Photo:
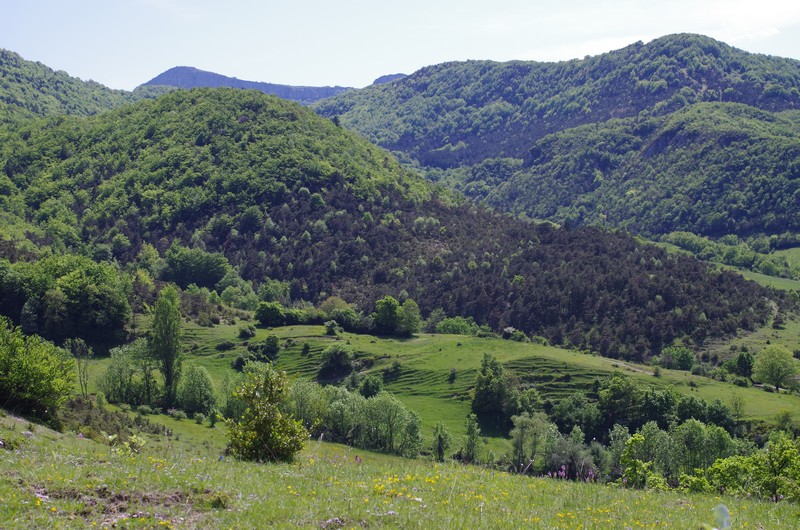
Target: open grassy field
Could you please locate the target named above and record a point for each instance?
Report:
(787, 336)
(54, 480)
(425, 385)
(792, 256)
(784, 284)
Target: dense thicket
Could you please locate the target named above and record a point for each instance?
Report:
(682, 133)
(287, 195)
(66, 296)
(30, 88)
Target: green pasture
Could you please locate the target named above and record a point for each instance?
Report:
(792, 256)
(788, 336)
(424, 381)
(784, 284)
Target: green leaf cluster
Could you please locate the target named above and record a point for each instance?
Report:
(36, 377)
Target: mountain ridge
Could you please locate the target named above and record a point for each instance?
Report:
(481, 127)
(189, 77)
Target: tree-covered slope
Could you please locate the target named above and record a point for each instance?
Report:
(708, 168)
(288, 195)
(547, 127)
(30, 88)
(456, 113)
(188, 77)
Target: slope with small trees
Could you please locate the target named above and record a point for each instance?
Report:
(208, 176)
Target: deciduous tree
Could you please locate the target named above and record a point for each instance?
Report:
(196, 390)
(408, 319)
(164, 342)
(775, 366)
(36, 377)
(441, 441)
(386, 315)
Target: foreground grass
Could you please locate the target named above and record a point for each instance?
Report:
(61, 481)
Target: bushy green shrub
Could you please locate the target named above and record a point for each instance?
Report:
(266, 351)
(264, 432)
(695, 483)
(337, 361)
(458, 326)
(271, 314)
(177, 414)
(372, 385)
(196, 390)
(241, 361)
(226, 345)
(677, 358)
(36, 377)
(332, 328)
(247, 332)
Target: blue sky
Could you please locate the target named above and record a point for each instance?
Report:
(123, 43)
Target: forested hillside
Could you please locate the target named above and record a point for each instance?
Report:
(188, 77)
(30, 89)
(682, 133)
(286, 195)
(708, 168)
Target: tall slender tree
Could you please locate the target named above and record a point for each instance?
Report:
(441, 441)
(165, 340)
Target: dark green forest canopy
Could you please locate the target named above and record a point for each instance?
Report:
(30, 88)
(286, 194)
(605, 139)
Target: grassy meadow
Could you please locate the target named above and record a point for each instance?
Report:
(425, 383)
(792, 255)
(62, 481)
(788, 336)
(54, 480)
